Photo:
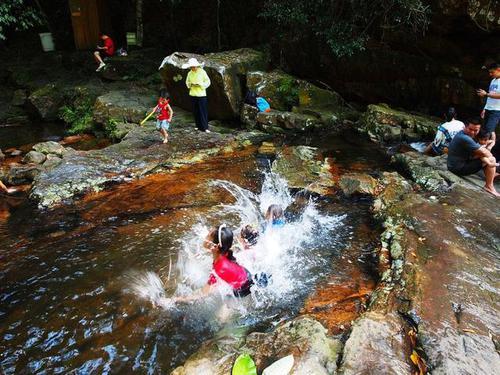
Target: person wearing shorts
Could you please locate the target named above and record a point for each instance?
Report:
(107, 50)
(464, 155)
(491, 111)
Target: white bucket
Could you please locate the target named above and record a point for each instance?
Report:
(47, 42)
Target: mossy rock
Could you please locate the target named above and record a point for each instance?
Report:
(385, 124)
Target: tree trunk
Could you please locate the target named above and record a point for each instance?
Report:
(218, 26)
(138, 22)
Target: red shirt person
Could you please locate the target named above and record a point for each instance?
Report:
(107, 50)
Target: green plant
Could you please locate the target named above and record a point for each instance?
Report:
(287, 92)
(110, 128)
(78, 114)
(18, 15)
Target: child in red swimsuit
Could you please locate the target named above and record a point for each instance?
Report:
(219, 241)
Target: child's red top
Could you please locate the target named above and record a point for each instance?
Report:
(162, 110)
(229, 271)
(110, 51)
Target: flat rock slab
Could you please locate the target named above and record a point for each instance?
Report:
(458, 289)
(139, 153)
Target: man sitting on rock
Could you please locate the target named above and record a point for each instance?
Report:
(464, 155)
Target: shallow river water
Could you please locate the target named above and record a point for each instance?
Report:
(77, 283)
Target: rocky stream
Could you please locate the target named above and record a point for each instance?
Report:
(388, 264)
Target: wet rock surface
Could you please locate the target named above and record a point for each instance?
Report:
(225, 94)
(376, 345)
(385, 124)
(357, 183)
(123, 106)
(305, 338)
(139, 153)
(304, 168)
(437, 259)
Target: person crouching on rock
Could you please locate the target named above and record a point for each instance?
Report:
(225, 268)
(197, 82)
(164, 114)
(465, 154)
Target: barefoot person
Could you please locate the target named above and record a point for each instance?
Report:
(464, 155)
(485, 139)
(164, 113)
(197, 81)
(491, 111)
(106, 50)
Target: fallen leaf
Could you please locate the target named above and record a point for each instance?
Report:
(468, 330)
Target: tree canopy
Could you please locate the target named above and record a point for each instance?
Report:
(18, 15)
(344, 25)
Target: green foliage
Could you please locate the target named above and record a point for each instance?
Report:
(18, 15)
(344, 25)
(78, 114)
(110, 128)
(287, 92)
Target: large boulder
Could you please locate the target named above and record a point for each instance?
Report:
(385, 124)
(50, 147)
(284, 91)
(303, 167)
(358, 183)
(376, 345)
(226, 71)
(46, 101)
(123, 106)
(34, 157)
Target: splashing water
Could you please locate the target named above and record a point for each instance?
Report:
(294, 256)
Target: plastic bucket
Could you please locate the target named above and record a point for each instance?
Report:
(47, 42)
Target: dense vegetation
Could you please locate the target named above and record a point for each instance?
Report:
(18, 15)
(344, 25)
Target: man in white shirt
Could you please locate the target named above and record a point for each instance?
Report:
(491, 111)
(445, 133)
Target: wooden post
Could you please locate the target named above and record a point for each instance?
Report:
(138, 21)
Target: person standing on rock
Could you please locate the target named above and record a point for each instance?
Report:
(107, 50)
(464, 156)
(197, 82)
(491, 111)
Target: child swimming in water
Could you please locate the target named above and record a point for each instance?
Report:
(248, 237)
(219, 241)
(274, 215)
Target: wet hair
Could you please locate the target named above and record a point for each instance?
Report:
(450, 114)
(164, 93)
(483, 134)
(223, 238)
(250, 234)
(274, 212)
(473, 120)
